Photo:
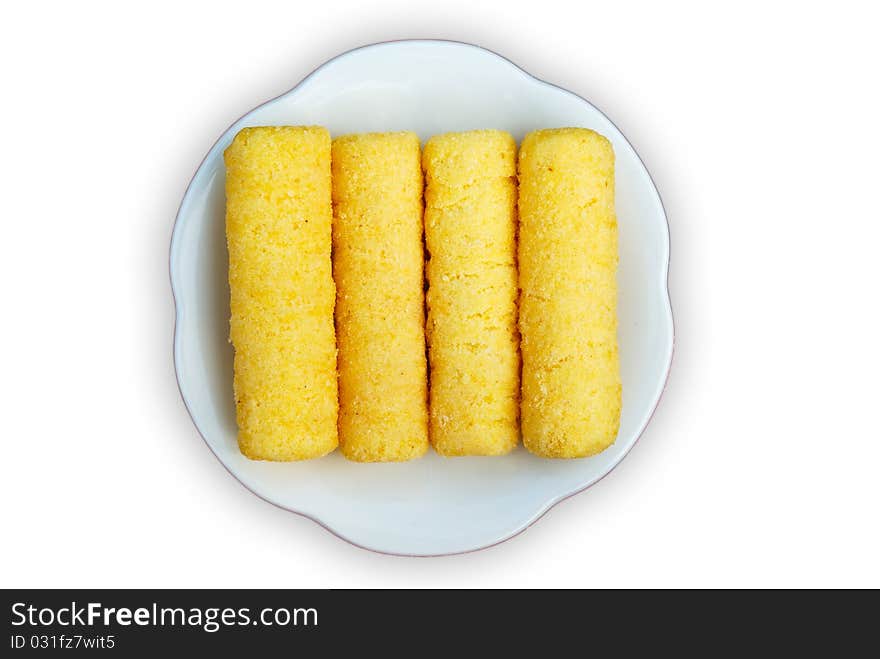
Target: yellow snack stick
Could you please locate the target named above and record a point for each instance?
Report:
(278, 224)
(571, 391)
(378, 264)
(470, 231)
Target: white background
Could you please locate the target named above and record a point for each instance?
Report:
(760, 128)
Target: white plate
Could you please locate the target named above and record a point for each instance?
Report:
(432, 505)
